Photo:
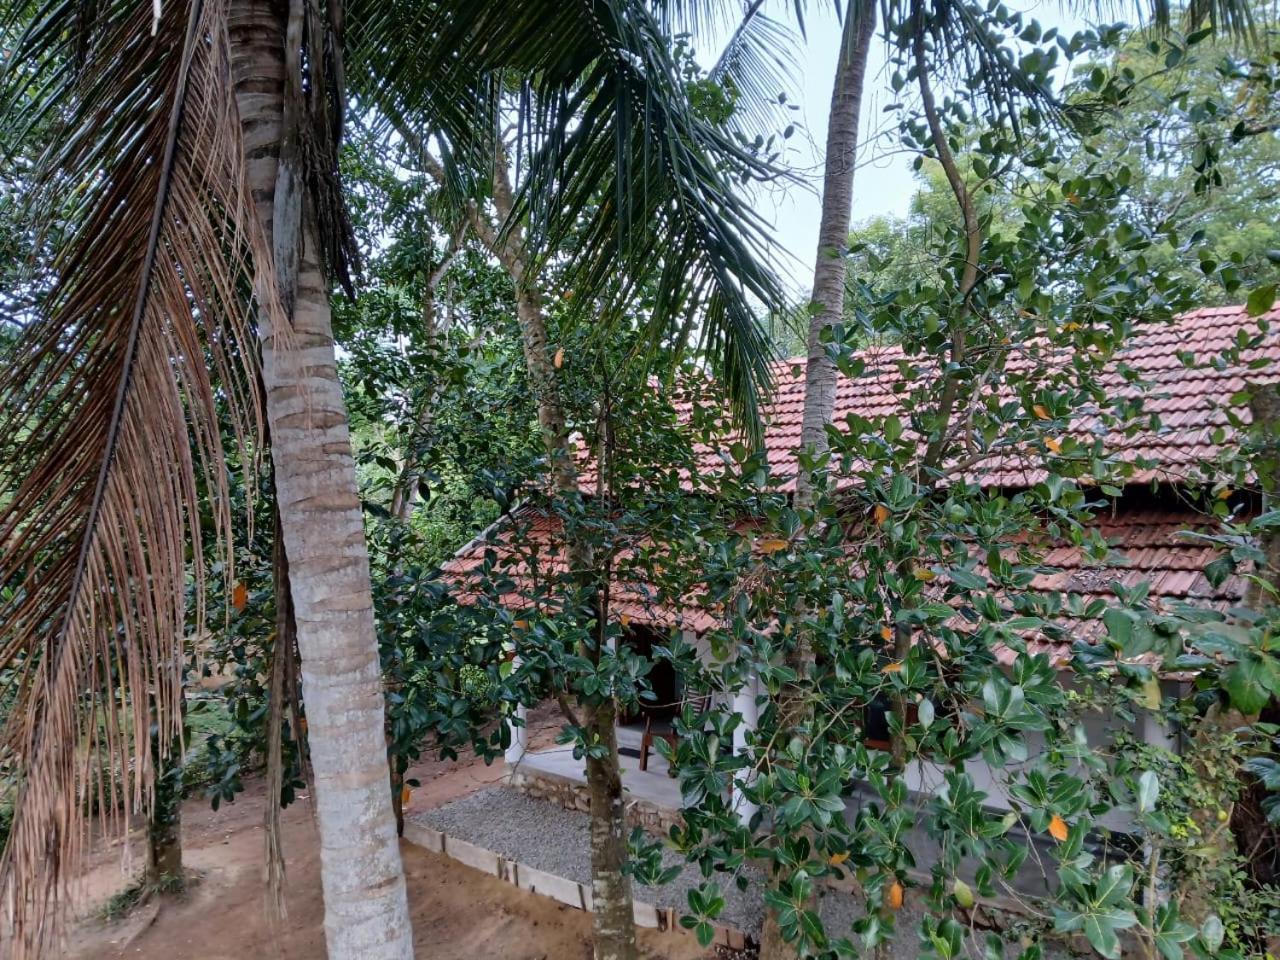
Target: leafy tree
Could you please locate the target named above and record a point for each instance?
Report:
(1195, 140)
(912, 581)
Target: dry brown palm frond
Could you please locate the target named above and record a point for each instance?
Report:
(115, 389)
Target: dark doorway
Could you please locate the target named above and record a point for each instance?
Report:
(662, 676)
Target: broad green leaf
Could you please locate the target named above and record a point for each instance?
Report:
(1243, 682)
(1261, 300)
(1212, 933)
(1148, 791)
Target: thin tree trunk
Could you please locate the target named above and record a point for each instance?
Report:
(164, 824)
(1264, 408)
(366, 910)
(936, 450)
(613, 918)
(406, 489)
(827, 304)
(164, 838)
(826, 310)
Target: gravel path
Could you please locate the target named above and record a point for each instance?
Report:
(550, 838)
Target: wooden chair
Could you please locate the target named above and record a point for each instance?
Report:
(664, 729)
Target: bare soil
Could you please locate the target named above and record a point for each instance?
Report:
(458, 913)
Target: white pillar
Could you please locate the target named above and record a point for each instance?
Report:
(744, 704)
(519, 734)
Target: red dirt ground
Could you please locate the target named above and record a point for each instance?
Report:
(458, 913)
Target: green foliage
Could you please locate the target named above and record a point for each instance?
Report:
(1194, 140)
(1067, 277)
(902, 547)
(621, 167)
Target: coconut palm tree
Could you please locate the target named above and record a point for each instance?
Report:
(192, 198)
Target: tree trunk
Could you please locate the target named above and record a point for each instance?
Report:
(1214, 816)
(164, 832)
(366, 910)
(406, 489)
(613, 918)
(826, 309)
(1264, 408)
(164, 823)
(827, 303)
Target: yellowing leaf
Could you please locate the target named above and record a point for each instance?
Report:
(1058, 829)
(886, 633)
(1149, 694)
(240, 597)
(559, 360)
(963, 894)
(1225, 493)
(1054, 445)
(1041, 411)
(405, 793)
(520, 625)
(893, 898)
(895, 667)
(771, 546)
(924, 574)
(1071, 327)
(625, 620)
(839, 858)
(881, 514)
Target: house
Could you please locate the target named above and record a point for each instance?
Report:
(1191, 378)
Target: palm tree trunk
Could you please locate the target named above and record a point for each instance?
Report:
(366, 910)
(827, 304)
(826, 310)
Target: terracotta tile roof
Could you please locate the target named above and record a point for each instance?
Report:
(525, 553)
(1149, 544)
(1190, 400)
(1148, 538)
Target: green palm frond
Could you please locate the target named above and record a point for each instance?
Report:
(114, 393)
(616, 165)
(758, 64)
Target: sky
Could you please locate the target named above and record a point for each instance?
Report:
(883, 183)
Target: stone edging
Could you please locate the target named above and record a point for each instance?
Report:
(574, 795)
(569, 892)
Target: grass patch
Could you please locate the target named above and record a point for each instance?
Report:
(139, 892)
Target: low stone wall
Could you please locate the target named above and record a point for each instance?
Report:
(574, 795)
